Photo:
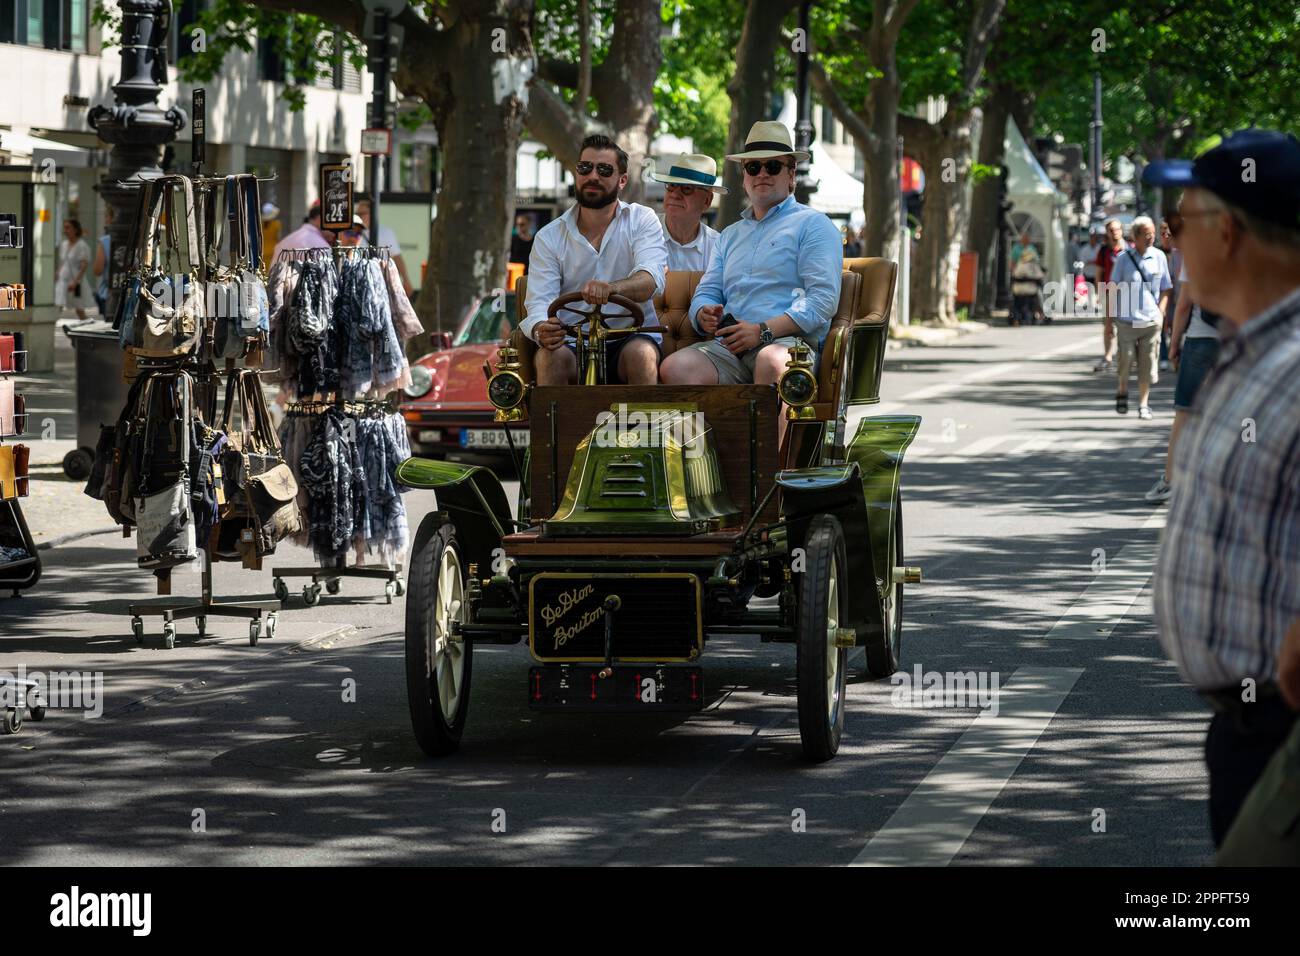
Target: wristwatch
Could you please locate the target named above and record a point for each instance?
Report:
(765, 336)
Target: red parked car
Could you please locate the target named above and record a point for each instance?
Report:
(446, 408)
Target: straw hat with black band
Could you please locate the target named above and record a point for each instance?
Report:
(692, 169)
(768, 140)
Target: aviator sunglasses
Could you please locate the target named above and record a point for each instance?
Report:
(773, 166)
(584, 168)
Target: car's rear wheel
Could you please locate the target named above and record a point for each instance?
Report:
(438, 658)
(883, 656)
(821, 665)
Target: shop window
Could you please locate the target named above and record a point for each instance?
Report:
(269, 64)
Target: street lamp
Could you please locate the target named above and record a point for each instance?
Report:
(803, 128)
(135, 125)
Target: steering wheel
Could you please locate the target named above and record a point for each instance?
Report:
(596, 314)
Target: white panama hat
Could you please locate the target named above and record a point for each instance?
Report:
(768, 141)
(693, 169)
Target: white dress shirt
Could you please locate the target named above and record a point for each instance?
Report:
(564, 261)
(694, 255)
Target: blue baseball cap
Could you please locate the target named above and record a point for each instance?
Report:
(1257, 170)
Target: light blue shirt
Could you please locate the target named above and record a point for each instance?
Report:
(1137, 300)
(789, 262)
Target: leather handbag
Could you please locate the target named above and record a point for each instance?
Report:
(8, 473)
(7, 348)
(237, 289)
(166, 307)
(7, 407)
(165, 528)
(22, 461)
(260, 492)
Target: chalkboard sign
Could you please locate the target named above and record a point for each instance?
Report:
(336, 196)
(198, 130)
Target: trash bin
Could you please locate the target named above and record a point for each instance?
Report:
(101, 392)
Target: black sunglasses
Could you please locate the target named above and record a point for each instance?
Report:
(584, 168)
(773, 166)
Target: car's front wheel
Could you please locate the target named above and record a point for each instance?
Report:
(438, 658)
(822, 664)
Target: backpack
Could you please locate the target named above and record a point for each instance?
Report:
(165, 303)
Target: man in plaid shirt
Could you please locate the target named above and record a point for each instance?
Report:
(1227, 587)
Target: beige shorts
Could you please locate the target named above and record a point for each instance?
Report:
(1137, 345)
(739, 369)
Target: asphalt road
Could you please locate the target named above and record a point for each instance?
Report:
(1021, 473)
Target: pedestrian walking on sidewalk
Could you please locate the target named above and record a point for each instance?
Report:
(1026, 282)
(1140, 277)
(1193, 350)
(1112, 246)
(72, 286)
(1227, 584)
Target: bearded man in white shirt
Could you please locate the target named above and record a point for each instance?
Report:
(600, 247)
(690, 183)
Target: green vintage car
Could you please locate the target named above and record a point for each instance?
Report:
(650, 517)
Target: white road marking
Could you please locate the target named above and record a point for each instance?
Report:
(979, 375)
(938, 817)
(1105, 601)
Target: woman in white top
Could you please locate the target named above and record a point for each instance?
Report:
(72, 286)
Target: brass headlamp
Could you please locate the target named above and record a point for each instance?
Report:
(507, 388)
(798, 385)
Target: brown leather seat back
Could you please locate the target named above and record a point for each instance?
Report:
(674, 311)
(835, 347)
(876, 296)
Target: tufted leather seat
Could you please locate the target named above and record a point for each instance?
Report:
(866, 298)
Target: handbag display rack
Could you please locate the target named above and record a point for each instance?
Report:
(207, 378)
(20, 564)
(332, 575)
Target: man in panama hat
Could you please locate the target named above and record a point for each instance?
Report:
(691, 181)
(776, 270)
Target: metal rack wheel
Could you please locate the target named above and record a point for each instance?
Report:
(137, 628)
(12, 721)
(333, 585)
(311, 594)
(281, 589)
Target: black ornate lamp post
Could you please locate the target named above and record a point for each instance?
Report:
(135, 125)
(803, 127)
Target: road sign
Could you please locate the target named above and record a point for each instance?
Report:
(377, 142)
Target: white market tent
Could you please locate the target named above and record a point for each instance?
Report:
(1038, 207)
(839, 193)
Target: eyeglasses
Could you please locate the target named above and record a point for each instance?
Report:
(584, 168)
(1177, 220)
(773, 166)
(684, 190)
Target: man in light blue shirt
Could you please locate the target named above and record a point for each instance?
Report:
(1139, 289)
(776, 270)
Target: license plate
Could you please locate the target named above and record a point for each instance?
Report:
(429, 436)
(630, 688)
(491, 438)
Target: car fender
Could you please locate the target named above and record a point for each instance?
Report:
(877, 447)
(837, 490)
(474, 501)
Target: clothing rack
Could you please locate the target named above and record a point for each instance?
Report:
(332, 576)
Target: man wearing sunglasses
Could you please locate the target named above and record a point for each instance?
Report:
(776, 270)
(600, 247)
(1227, 580)
(690, 183)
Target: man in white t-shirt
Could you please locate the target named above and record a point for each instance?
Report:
(600, 247)
(691, 181)
(1141, 283)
